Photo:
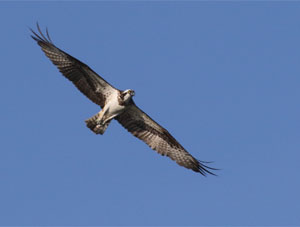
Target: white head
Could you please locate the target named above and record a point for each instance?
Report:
(127, 95)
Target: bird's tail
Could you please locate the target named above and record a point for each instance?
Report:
(94, 125)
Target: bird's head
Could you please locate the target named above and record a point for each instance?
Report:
(127, 94)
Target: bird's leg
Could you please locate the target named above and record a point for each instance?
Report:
(101, 116)
(99, 120)
(106, 119)
(98, 123)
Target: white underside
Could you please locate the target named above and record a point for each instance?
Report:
(112, 108)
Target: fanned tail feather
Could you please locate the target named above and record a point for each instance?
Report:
(94, 125)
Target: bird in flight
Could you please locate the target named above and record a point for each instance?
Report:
(117, 104)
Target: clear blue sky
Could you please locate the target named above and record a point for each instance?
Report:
(222, 77)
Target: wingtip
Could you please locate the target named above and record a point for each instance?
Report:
(205, 170)
(40, 37)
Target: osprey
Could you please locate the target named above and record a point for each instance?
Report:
(117, 104)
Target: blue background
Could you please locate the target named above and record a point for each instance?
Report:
(222, 77)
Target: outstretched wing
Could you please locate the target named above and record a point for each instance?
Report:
(159, 139)
(82, 76)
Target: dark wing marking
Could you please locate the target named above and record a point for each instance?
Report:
(82, 76)
(159, 139)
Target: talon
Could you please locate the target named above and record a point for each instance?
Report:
(100, 123)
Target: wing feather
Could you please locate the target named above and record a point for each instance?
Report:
(83, 77)
(159, 139)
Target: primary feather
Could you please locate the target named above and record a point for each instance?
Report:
(117, 105)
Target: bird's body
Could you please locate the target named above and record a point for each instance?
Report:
(118, 105)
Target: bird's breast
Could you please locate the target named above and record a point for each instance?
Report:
(113, 105)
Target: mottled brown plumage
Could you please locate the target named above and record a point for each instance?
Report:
(159, 139)
(117, 105)
(81, 75)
